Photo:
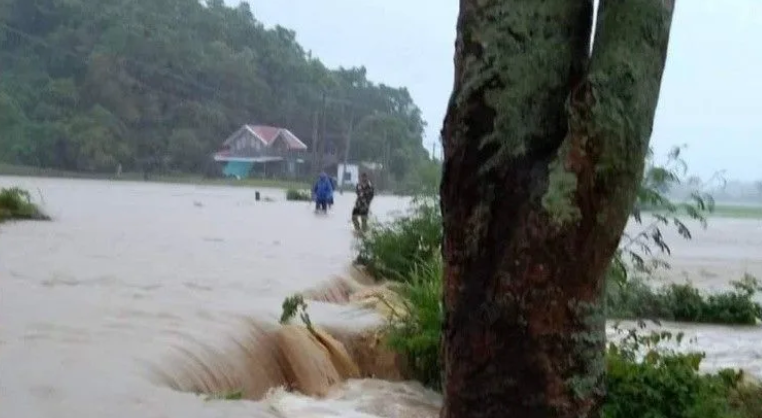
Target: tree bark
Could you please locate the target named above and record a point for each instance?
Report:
(544, 148)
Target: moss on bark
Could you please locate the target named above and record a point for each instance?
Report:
(544, 149)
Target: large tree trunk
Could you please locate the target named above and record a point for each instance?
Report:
(544, 150)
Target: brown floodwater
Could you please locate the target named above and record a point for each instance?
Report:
(129, 276)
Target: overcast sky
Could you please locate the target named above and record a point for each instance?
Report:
(710, 97)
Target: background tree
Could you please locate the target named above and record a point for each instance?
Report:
(544, 147)
(89, 84)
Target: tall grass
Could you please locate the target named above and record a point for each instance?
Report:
(416, 332)
(16, 203)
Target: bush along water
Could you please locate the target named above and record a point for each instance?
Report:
(298, 195)
(392, 250)
(16, 203)
(635, 299)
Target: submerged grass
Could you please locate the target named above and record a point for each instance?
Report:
(16, 203)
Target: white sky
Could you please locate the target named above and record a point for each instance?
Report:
(710, 91)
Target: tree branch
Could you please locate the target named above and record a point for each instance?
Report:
(611, 112)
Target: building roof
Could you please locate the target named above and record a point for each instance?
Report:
(268, 134)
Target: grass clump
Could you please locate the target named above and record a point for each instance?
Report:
(298, 195)
(416, 333)
(392, 250)
(16, 203)
(635, 299)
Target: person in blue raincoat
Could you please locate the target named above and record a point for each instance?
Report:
(323, 193)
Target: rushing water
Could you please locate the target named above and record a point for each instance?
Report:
(128, 273)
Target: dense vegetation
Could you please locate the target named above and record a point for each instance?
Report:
(644, 378)
(91, 84)
(16, 203)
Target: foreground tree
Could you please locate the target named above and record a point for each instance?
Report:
(544, 152)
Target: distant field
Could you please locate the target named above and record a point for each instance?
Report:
(738, 211)
(14, 170)
(735, 211)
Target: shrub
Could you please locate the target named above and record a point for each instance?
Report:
(298, 195)
(392, 250)
(644, 379)
(16, 203)
(634, 299)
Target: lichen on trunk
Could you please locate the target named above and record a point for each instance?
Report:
(544, 149)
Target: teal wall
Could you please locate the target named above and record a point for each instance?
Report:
(239, 169)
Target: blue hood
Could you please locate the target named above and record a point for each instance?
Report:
(324, 187)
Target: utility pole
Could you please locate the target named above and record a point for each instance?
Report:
(315, 127)
(348, 144)
(322, 136)
(434, 150)
(387, 157)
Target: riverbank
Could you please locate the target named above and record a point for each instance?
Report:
(24, 171)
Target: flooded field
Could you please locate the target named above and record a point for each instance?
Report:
(128, 273)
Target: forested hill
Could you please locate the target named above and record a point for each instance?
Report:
(89, 84)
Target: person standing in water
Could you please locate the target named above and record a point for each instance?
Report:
(323, 193)
(365, 193)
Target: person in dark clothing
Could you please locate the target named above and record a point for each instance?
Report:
(365, 193)
(323, 193)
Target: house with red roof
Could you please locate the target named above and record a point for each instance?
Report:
(267, 150)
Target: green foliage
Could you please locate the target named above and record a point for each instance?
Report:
(416, 332)
(635, 299)
(298, 195)
(392, 250)
(422, 179)
(646, 379)
(16, 203)
(637, 251)
(292, 306)
(89, 84)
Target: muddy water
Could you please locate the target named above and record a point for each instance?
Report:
(130, 272)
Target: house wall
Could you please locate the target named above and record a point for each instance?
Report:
(348, 174)
(246, 145)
